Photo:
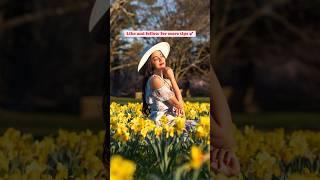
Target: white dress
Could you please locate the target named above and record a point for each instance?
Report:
(157, 100)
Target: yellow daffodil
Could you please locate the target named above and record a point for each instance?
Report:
(121, 169)
(196, 157)
(4, 162)
(62, 172)
(205, 122)
(170, 131)
(158, 131)
(200, 132)
(180, 123)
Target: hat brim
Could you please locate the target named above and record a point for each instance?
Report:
(99, 9)
(164, 47)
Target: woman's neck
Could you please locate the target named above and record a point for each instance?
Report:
(158, 72)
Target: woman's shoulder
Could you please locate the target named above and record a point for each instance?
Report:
(155, 76)
(156, 82)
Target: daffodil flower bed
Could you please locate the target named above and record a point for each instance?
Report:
(165, 152)
(170, 151)
(277, 154)
(69, 155)
(141, 150)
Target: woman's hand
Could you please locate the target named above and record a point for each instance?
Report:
(168, 72)
(225, 161)
(179, 112)
(182, 112)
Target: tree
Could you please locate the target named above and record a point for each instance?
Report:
(186, 56)
(47, 57)
(258, 36)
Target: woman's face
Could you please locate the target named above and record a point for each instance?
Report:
(158, 61)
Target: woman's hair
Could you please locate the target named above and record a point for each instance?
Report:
(147, 71)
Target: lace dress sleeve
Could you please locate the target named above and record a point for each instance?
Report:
(163, 93)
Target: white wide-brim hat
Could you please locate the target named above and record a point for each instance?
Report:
(164, 47)
(100, 8)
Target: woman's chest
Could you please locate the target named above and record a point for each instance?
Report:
(168, 83)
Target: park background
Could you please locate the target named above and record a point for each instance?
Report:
(52, 72)
(267, 59)
(266, 56)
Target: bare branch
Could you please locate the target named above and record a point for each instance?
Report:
(123, 66)
(185, 70)
(200, 70)
(295, 30)
(224, 19)
(41, 15)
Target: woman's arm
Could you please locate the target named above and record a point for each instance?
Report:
(220, 115)
(157, 83)
(169, 73)
(223, 157)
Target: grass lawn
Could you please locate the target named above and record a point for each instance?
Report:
(287, 120)
(40, 124)
(123, 100)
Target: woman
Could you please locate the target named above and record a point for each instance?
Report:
(160, 91)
